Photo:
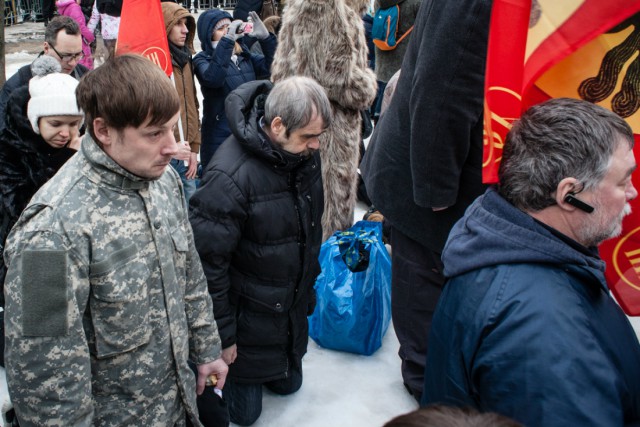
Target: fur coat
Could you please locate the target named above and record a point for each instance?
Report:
(336, 57)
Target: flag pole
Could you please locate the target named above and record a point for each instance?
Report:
(180, 128)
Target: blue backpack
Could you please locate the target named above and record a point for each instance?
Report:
(385, 28)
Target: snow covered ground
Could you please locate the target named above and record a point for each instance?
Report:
(339, 389)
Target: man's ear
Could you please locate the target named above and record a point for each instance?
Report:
(46, 48)
(104, 133)
(565, 187)
(277, 127)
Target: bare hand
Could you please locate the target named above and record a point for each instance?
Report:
(218, 368)
(229, 354)
(439, 209)
(193, 166)
(184, 151)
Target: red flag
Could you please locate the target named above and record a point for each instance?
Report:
(142, 31)
(584, 49)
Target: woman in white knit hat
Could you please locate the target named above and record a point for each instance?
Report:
(43, 121)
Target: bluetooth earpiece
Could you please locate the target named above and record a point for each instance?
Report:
(573, 201)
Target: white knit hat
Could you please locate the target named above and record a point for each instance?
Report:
(51, 95)
(221, 23)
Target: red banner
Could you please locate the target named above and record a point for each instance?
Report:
(584, 49)
(142, 31)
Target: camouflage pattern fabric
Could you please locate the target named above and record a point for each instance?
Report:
(106, 300)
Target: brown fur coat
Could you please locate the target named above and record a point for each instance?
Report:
(324, 40)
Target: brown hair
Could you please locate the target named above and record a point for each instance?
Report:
(126, 91)
(450, 416)
(273, 24)
(58, 24)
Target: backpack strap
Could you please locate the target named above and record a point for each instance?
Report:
(406, 33)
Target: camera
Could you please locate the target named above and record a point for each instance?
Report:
(245, 28)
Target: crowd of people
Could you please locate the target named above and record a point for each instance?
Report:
(159, 261)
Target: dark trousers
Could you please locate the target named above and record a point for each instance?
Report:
(245, 400)
(377, 103)
(416, 285)
(48, 9)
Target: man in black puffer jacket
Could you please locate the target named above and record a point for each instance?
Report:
(256, 222)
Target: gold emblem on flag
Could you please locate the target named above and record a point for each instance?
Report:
(158, 56)
(626, 258)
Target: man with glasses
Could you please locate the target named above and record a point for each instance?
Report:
(62, 41)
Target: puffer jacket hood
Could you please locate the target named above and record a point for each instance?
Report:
(172, 13)
(494, 232)
(206, 23)
(244, 108)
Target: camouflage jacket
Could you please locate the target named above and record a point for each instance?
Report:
(106, 300)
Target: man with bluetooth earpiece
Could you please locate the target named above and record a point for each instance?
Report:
(526, 326)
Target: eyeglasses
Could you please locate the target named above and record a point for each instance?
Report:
(68, 57)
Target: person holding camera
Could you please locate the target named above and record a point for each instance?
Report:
(223, 65)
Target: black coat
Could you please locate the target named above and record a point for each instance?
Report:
(426, 150)
(243, 7)
(256, 222)
(26, 163)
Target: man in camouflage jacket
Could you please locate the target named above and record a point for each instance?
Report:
(106, 298)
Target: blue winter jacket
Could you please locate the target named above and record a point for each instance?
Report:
(218, 75)
(526, 327)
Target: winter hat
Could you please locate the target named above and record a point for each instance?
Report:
(206, 23)
(52, 92)
(221, 23)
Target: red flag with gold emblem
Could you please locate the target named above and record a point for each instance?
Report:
(142, 31)
(584, 49)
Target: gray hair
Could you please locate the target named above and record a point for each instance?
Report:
(558, 139)
(295, 100)
(58, 24)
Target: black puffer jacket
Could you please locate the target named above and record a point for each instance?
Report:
(26, 163)
(256, 222)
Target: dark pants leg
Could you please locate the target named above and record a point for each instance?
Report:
(377, 105)
(244, 402)
(288, 385)
(416, 285)
(48, 9)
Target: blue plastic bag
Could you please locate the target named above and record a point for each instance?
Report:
(353, 291)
